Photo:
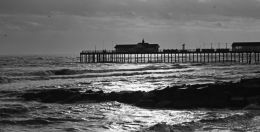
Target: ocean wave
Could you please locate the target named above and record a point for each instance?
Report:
(71, 74)
(252, 107)
(5, 80)
(35, 61)
(210, 124)
(42, 73)
(19, 75)
(163, 127)
(7, 110)
(232, 118)
(38, 121)
(213, 123)
(218, 95)
(82, 71)
(58, 72)
(25, 122)
(66, 72)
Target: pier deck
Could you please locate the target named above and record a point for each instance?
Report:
(171, 56)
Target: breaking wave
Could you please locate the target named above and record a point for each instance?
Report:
(66, 73)
(58, 72)
(228, 119)
(38, 121)
(222, 124)
(75, 71)
(8, 110)
(218, 95)
(163, 127)
(5, 80)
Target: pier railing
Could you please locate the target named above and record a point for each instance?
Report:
(171, 56)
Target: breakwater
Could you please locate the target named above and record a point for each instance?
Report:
(172, 56)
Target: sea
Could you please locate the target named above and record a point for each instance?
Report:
(19, 74)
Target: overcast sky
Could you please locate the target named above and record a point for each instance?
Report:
(69, 26)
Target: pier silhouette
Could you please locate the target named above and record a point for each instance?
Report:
(171, 56)
(143, 52)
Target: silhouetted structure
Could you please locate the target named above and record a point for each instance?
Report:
(243, 52)
(139, 47)
(246, 46)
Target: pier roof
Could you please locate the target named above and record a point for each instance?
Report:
(245, 44)
(143, 44)
(125, 45)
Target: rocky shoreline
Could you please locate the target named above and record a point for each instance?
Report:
(232, 95)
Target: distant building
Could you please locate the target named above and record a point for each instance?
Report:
(139, 47)
(246, 46)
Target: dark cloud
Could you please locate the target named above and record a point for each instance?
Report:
(68, 21)
(34, 14)
(127, 8)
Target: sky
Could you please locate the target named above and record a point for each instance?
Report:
(69, 26)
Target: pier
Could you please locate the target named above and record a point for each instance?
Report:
(171, 56)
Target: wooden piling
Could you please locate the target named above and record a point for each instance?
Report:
(173, 56)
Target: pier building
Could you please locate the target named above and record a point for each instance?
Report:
(246, 46)
(139, 47)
